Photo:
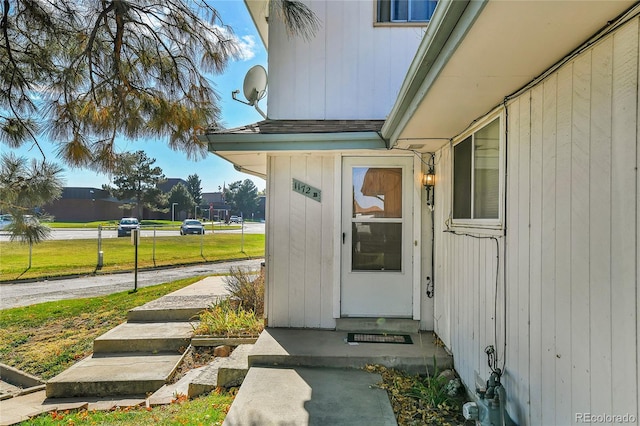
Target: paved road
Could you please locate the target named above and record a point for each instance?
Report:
(24, 294)
(87, 234)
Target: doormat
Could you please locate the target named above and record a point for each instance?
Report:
(403, 339)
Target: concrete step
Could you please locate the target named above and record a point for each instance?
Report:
(234, 369)
(114, 374)
(145, 337)
(182, 305)
(222, 372)
(168, 393)
(206, 380)
(378, 325)
(142, 314)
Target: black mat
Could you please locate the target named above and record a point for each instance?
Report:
(403, 339)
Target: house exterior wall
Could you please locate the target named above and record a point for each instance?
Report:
(570, 250)
(302, 253)
(300, 239)
(349, 70)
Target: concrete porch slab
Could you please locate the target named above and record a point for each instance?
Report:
(326, 348)
(310, 396)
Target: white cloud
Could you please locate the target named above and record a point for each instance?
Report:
(246, 47)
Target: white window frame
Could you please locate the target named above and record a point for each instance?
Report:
(482, 223)
(399, 21)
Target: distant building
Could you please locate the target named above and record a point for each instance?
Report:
(215, 201)
(79, 204)
(169, 183)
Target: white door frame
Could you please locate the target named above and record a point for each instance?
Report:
(337, 229)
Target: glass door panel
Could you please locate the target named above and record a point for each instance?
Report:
(376, 220)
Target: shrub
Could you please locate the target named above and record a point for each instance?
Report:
(246, 289)
(225, 319)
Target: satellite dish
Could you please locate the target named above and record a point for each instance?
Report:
(255, 84)
(254, 87)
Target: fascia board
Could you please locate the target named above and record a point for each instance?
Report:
(259, 18)
(445, 32)
(293, 141)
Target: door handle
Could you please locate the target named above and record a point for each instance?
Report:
(344, 235)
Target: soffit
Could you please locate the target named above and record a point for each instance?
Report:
(259, 11)
(509, 45)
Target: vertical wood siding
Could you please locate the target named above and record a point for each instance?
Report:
(300, 247)
(570, 251)
(340, 73)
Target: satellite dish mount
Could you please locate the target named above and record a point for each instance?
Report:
(254, 88)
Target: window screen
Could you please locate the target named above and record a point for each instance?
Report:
(476, 174)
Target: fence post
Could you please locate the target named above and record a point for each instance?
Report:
(100, 254)
(153, 253)
(135, 237)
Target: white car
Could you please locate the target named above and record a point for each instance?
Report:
(191, 226)
(235, 219)
(126, 225)
(5, 221)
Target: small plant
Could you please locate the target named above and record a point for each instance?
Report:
(226, 319)
(246, 289)
(434, 390)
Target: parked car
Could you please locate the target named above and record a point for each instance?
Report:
(126, 225)
(191, 226)
(5, 221)
(235, 219)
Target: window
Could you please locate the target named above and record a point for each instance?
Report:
(377, 219)
(476, 174)
(405, 10)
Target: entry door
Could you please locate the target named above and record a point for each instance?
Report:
(376, 276)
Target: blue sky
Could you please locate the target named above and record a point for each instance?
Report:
(213, 171)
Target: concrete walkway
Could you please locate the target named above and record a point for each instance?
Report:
(128, 361)
(292, 377)
(310, 396)
(28, 293)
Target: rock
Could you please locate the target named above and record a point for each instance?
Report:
(447, 374)
(222, 351)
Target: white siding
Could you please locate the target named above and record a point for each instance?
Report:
(570, 251)
(300, 246)
(349, 70)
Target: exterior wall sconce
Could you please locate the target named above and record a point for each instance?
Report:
(429, 181)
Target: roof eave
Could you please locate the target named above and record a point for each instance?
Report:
(447, 28)
(258, 9)
(293, 141)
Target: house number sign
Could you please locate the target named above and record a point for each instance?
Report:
(307, 190)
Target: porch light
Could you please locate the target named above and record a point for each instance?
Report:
(429, 179)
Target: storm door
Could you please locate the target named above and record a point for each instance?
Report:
(376, 275)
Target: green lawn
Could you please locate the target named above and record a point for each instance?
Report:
(112, 224)
(206, 410)
(46, 338)
(65, 257)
